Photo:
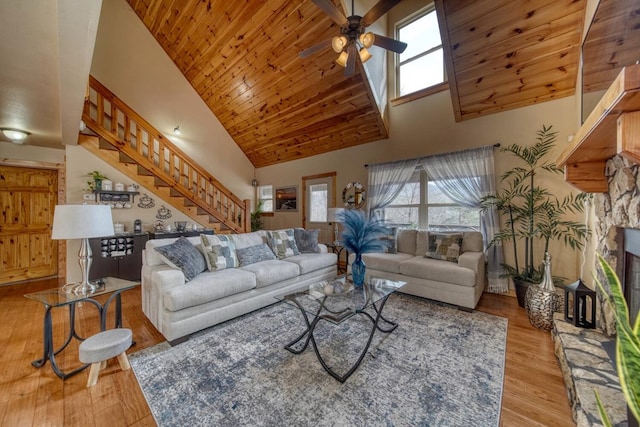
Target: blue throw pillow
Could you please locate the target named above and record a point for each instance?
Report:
(183, 255)
(306, 240)
(253, 254)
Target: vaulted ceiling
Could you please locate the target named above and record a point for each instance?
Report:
(242, 58)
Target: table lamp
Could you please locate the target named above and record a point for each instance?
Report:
(82, 222)
(334, 215)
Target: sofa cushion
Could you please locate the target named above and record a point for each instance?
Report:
(312, 262)
(244, 240)
(270, 272)
(306, 240)
(385, 262)
(282, 243)
(472, 242)
(252, 254)
(422, 242)
(183, 255)
(438, 270)
(406, 240)
(220, 252)
(209, 286)
(445, 247)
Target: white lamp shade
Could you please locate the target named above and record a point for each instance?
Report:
(82, 221)
(332, 214)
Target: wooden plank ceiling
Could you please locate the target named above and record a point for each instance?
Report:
(613, 42)
(242, 59)
(504, 54)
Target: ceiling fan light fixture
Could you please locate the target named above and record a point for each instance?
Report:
(365, 55)
(342, 59)
(338, 43)
(367, 39)
(16, 136)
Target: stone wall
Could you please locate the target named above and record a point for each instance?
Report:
(620, 207)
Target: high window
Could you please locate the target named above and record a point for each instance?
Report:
(420, 204)
(421, 65)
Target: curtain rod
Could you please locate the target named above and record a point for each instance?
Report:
(496, 145)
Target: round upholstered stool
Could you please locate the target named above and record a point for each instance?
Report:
(102, 346)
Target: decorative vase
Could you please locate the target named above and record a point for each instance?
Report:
(358, 269)
(540, 301)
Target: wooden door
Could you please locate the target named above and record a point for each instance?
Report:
(27, 198)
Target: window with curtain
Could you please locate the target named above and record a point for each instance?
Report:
(421, 204)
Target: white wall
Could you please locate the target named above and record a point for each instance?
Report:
(132, 65)
(25, 151)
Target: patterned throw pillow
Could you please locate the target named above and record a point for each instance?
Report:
(444, 246)
(253, 254)
(282, 243)
(306, 240)
(390, 240)
(183, 255)
(220, 251)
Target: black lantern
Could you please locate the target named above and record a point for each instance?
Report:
(580, 305)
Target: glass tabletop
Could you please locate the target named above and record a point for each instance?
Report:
(57, 297)
(339, 299)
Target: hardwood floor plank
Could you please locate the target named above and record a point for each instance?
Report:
(533, 395)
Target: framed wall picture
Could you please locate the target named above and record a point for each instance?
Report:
(286, 199)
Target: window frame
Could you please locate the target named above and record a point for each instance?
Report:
(262, 199)
(428, 90)
(423, 206)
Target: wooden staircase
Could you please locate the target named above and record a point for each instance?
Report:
(130, 144)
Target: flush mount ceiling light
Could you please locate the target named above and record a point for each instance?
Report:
(354, 41)
(176, 130)
(16, 136)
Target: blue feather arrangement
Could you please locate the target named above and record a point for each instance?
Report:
(362, 235)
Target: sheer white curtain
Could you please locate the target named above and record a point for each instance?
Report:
(465, 177)
(385, 180)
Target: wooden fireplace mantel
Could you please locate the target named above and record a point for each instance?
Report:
(613, 127)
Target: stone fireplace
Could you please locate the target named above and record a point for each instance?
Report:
(581, 352)
(617, 210)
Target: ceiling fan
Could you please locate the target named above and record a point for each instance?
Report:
(354, 40)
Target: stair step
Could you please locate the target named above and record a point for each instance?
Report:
(144, 171)
(159, 183)
(126, 159)
(105, 145)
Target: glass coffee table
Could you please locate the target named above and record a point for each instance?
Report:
(336, 303)
(57, 297)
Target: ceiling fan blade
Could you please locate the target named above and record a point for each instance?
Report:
(389, 44)
(350, 69)
(330, 9)
(313, 49)
(382, 7)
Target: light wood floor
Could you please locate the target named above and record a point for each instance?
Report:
(534, 392)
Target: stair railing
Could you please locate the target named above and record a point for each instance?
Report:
(119, 125)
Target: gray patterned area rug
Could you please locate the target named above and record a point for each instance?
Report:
(440, 367)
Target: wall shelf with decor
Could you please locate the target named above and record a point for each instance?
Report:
(613, 127)
(115, 196)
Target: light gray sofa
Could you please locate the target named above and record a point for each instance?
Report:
(459, 283)
(178, 308)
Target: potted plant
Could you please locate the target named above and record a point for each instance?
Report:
(96, 180)
(256, 217)
(627, 346)
(533, 212)
(361, 235)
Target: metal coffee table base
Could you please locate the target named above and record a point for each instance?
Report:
(338, 317)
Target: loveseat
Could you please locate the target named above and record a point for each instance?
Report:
(457, 277)
(179, 305)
